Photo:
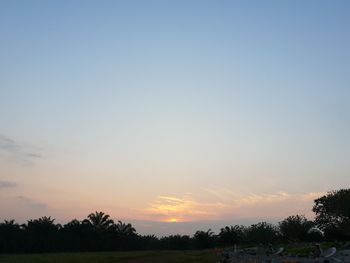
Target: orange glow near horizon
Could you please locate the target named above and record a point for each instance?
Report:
(173, 209)
(173, 220)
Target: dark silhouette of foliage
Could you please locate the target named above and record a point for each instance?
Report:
(99, 221)
(262, 232)
(315, 235)
(125, 236)
(77, 236)
(124, 230)
(149, 242)
(41, 234)
(98, 232)
(295, 228)
(10, 236)
(231, 235)
(176, 242)
(204, 239)
(333, 214)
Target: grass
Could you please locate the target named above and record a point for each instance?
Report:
(204, 256)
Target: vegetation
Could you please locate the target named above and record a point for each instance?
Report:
(231, 235)
(262, 233)
(98, 232)
(333, 214)
(296, 228)
(205, 256)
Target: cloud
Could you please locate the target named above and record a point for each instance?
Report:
(18, 152)
(174, 209)
(30, 203)
(7, 184)
(226, 204)
(7, 143)
(21, 207)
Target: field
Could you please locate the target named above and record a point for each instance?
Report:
(204, 256)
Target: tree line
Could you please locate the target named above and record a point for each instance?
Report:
(98, 232)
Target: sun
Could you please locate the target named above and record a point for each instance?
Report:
(172, 220)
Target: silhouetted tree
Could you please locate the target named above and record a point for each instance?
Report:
(99, 233)
(204, 239)
(295, 228)
(261, 233)
(231, 235)
(176, 242)
(149, 242)
(41, 234)
(333, 214)
(10, 236)
(124, 230)
(77, 236)
(99, 221)
(125, 236)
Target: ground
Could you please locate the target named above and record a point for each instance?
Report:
(204, 256)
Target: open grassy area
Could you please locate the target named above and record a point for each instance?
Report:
(114, 257)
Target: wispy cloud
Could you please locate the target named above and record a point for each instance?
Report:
(7, 184)
(239, 200)
(18, 152)
(30, 203)
(227, 204)
(174, 209)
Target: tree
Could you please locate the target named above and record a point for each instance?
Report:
(261, 233)
(176, 242)
(99, 221)
(231, 235)
(77, 236)
(295, 228)
(204, 239)
(149, 242)
(124, 230)
(333, 214)
(125, 236)
(10, 236)
(102, 236)
(41, 234)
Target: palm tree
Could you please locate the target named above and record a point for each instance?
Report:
(230, 235)
(10, 224)
(99, 220)
(45, 222)
(204, 239)
(42, 234)
(10, 236)
(124, 230)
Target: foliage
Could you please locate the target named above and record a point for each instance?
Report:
(262, 232)
(231, 235)
(99, 221)
(204, 239)
(41, 234)
(176, 242)
(333, 214)
(10, 234)
(295, 228)
(124, 230)
(98, 232)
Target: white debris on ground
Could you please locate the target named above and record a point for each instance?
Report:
(257, 255)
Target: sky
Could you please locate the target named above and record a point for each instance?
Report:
(172, 115)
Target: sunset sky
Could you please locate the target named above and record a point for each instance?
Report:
(172, 115)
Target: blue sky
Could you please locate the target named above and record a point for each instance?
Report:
(173, 105)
